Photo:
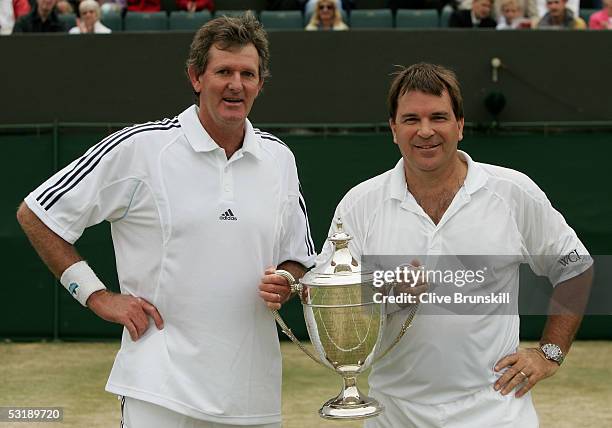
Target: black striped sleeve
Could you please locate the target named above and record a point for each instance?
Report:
(87, 163)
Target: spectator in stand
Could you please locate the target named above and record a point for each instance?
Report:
(64, 7)
(195, 5)
(42, 19)
(512, 17)
(89, 21)
(602, 20)
(326, 17)
(310, 7)
(573, 5)
(10, 10)
(559, 16)
(479, 16)
(143, 5)
(529, 8)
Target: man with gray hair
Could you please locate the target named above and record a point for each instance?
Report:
(202, 208)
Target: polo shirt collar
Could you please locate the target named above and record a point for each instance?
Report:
(398, 188)
(474, 180)
(201, 141)
(476, 176)
(251, 143)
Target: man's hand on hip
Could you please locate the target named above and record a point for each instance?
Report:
(525, 367)
(132, 312)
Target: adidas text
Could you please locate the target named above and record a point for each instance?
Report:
(228, 215)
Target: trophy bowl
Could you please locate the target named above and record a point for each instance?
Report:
(345, 325)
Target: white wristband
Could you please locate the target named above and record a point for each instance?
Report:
(81, 282)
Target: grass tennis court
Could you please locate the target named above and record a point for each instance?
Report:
(73, 375)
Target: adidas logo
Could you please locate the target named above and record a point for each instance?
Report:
(228, 215)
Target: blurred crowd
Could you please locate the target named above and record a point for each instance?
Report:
(88, 16)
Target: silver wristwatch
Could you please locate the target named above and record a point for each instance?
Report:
(552, 352)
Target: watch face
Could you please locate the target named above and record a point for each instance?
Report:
(551, 351)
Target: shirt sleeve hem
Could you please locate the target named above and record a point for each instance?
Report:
(574, 273)
(65, 234)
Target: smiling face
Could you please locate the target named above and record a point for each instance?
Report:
(228, 86)
(426, 131)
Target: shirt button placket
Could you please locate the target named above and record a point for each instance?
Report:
(434, 243)
(228, 183)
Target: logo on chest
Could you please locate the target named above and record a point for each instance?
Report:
(228, 215)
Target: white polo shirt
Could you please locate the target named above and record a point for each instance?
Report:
(497, 211)
(193, 233)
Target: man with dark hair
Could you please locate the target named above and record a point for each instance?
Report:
(560, 16)
(457, 367)
(42, 19)
(478, 16)
(201, 206)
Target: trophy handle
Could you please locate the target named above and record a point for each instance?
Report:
(407, 323)
(405, 326)
(295, 288)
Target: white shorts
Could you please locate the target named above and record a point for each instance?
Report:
(485, 408)
(142, 414)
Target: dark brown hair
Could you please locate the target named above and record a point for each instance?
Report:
(428, 78)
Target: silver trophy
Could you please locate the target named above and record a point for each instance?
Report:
(345, 325)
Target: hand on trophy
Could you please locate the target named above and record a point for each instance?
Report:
(414, 285)
(274, 289)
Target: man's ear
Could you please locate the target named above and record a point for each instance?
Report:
(194, 78)
(260, 86)
(392, 126)
(460, 124)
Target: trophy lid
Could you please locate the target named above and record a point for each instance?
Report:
(341, 269)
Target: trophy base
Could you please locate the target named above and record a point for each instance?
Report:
(350, 404)
(364, 411)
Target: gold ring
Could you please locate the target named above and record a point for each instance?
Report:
(521, 372)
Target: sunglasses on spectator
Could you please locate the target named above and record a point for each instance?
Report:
(326, 6)
(553, 1)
